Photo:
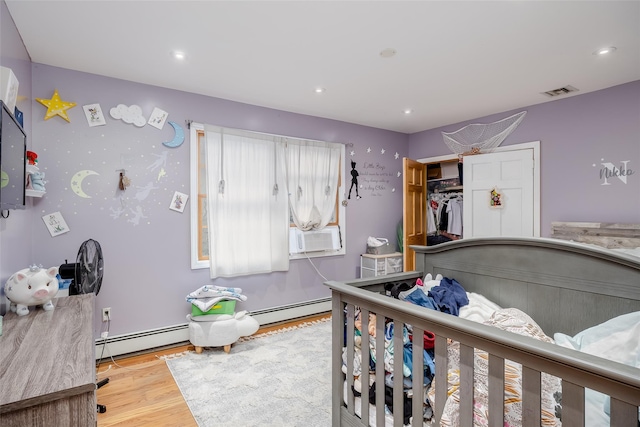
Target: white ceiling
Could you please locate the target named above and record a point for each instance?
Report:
(455, 61)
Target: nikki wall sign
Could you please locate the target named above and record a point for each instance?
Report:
(609, 171)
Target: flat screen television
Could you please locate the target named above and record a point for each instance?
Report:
(13, 154)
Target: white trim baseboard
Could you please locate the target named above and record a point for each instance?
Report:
(117, 345)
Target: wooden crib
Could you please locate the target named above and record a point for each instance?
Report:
(564, 286)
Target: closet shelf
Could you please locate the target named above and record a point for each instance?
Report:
(442, 179)
(452, 188)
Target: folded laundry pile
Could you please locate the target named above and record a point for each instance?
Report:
(209, 295)
(213, 321)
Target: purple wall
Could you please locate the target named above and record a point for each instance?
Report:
(16, 249)
(147, 267)
(146, 245)
(577, 135)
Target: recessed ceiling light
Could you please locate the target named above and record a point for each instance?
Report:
(605, 50)
(177, 54)
(408, 111)
(319, 89)
(388, 53)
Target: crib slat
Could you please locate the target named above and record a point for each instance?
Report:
(496, 391)
(466, 385)
(398, 376)
(441, 384)
(380, 370)
(337, 384)
(619, 383)
(623, 414)
(364, 378)
(572, 405)
(531, 389)
(418, 377)
(350, 332)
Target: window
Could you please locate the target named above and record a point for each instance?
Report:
(314, 243)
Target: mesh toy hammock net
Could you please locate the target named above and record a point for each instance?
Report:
(481, 138)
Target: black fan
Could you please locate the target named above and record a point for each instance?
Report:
(86, 275)
(86, 272)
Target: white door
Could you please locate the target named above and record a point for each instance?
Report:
(511, 173)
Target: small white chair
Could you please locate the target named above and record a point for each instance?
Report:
(220, 330)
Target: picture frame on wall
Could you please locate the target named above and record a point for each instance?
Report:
(158, 118)
(94, 115)
(178, 201)
(55, 224)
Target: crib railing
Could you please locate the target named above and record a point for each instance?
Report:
(577, 370)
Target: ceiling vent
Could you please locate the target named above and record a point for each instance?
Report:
(562, 91)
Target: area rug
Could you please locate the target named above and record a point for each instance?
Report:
(275, 379)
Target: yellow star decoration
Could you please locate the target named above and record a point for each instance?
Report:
(56, 106)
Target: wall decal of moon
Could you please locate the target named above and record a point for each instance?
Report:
(4, 179)
(178, 139)
(76, 182)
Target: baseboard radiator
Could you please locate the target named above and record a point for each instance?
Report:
(117, 345)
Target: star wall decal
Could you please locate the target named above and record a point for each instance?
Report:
(368, 149)
(56, 106)
(382, 151)
(353, 153)
(397, 155)
(399, 173)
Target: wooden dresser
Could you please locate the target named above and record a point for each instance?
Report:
(47, 366)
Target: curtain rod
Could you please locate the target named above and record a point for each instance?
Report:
(348, 144)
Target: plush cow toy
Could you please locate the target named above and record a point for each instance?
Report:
(32, 286)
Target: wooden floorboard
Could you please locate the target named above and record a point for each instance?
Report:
(142, 392)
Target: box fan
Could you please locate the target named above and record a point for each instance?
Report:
(86, 277)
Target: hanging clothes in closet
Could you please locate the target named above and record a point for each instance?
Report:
(444, 218)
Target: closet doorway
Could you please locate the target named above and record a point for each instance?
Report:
(513, 171)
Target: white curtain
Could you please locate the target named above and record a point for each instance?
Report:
(247, 215)
(312, 173)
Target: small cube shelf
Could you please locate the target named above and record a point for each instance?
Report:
(380, 265)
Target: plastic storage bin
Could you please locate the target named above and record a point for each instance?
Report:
(222, 307)
(380, 265)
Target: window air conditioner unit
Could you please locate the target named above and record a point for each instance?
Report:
(326, 239)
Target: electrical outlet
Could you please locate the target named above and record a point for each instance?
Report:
(106, 314)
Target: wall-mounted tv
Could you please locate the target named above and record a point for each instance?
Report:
(13, 151)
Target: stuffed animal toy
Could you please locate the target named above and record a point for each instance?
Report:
(37, 181)
(32, 286)
(32, 157)
(429, 282)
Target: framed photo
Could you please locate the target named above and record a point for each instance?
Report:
(158, 117)
(55, 224)
(178, 202)
(94, 115)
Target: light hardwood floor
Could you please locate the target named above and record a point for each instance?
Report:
(141, 390)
